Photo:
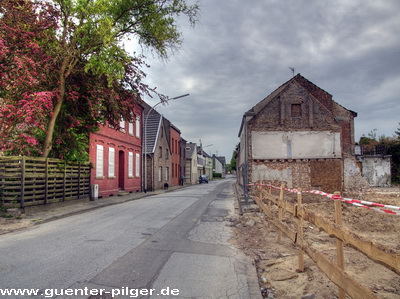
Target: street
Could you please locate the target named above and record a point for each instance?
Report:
(172, 245)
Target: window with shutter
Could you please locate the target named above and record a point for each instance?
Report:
(137, 165)
(138, 126)
(111, 162)
(99, 160)
(130, 164)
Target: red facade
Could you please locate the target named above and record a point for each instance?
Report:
(117, 157)
(175, 137)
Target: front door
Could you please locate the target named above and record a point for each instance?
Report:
(121, 170)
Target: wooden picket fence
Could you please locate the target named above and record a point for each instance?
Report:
(335, 271)
(27, 181)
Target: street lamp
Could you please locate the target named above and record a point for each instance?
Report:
(163, 101)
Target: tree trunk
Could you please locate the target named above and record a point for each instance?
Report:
(48, 143)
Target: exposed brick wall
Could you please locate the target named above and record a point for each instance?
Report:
(277, 115)
(321, 174)
(327, 175)
(322, 96)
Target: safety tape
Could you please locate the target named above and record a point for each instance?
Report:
(388, 209)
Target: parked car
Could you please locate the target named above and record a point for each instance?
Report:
(203, 179)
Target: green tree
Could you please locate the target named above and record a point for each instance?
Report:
(91, 35)
(232, 165)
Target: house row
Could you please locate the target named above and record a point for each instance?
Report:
(299, 135)
(146, 155)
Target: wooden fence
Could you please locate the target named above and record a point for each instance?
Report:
(335, 271)
(26, 181)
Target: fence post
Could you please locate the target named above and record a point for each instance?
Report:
(64, 180)
(339, 243)
(46, 186)
(269, 204)
(280, 212)
(300, 229)
(259, 187)
(79, 180)
(23, 167)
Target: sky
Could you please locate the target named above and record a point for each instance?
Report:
(241, 51)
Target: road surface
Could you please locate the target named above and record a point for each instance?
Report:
(172, 245)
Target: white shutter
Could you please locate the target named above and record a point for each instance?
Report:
(111, 162)
(137, 165)
(99, 160)
(122, 124)
(137, 126)
(130, 164)
(130, 128)
(160, 173)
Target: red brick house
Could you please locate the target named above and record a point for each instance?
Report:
(116, 155)
(174, 137)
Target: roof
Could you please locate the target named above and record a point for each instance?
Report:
(190, 149)
(221, 159)
(152, 131)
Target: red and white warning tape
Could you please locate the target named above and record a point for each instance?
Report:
(388, 209)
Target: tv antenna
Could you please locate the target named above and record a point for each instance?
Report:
(292, 69)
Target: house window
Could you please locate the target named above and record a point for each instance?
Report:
(130, 128)
(137, 165)
(160, 152)
(166, 173)
(166, 154)
(130, 164)
(137, 126)
(296, 110)
(160, 173)
(99, 160)
(111, 162)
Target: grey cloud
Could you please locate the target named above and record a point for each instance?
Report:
(241, 50)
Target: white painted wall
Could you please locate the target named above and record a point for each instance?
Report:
(262, 172)
(295, 145)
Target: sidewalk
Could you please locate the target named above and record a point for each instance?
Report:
(45, 213)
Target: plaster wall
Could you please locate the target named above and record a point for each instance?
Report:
(376, 170)
(295, 144)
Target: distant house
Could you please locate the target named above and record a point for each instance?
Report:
(219, 165)
(158, 153)
(208, 168)
(174, 139)
(182, 164)
(116, 155)
(191, 170)
(300, 135)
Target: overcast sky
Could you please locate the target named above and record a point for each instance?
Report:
(241, 51)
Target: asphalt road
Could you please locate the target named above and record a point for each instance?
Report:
(172, 245)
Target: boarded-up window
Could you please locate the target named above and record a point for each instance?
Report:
(296, 110)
